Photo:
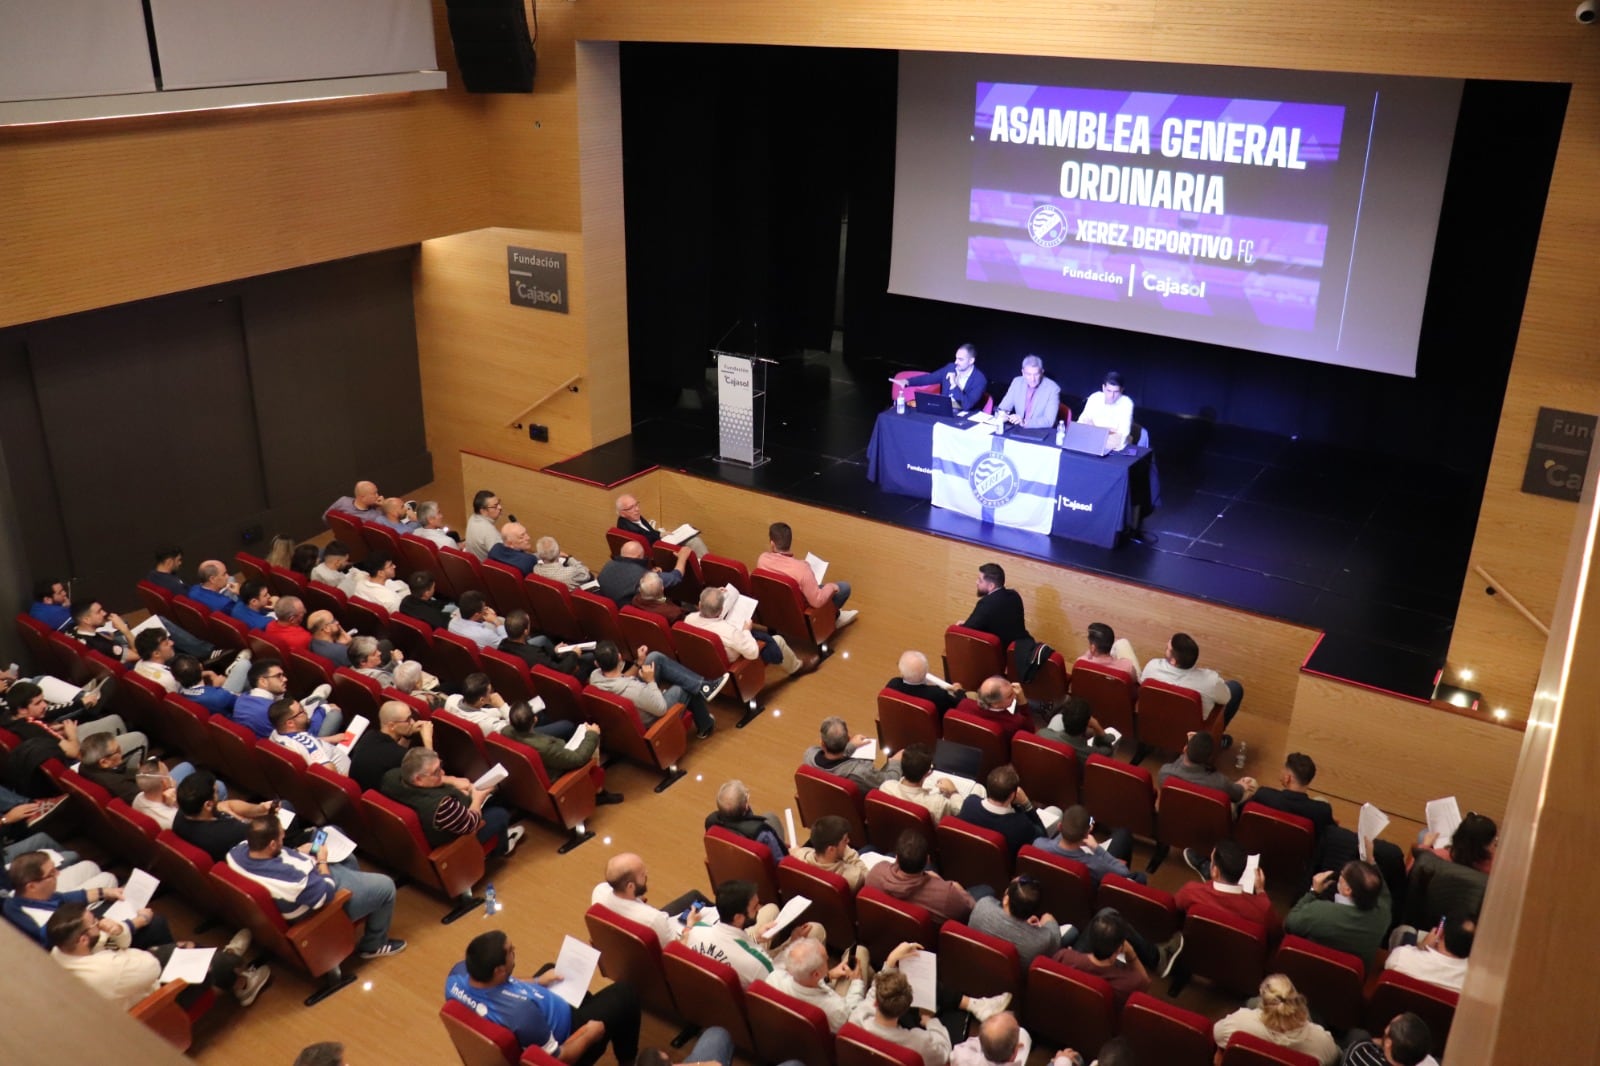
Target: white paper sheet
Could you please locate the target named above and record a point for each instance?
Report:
(935, 679)
(56, 691)
(580, 648)
(874, 858)
(1252, 863)
(1370, 823)
(681, 534)
(1113, 735)
(818, 566)
(868, 751)
(579, 735)
(356, 727)
(576, 964)
(793, 909)
(40, 915)
(737, 608)
(340, 847)
(285, 816)
(1443, 815)
(922, 970)
(492, 777)
(788, 821)
(1050, 816)
(188, 964)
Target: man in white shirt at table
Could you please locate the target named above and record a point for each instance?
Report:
(1110, 408)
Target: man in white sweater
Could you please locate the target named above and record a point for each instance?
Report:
(804, 975)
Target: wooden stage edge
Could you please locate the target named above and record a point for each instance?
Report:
(1370, 746)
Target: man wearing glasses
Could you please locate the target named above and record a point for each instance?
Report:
(483, 530)
(268, 684)
(289, 731)
(381, 750)
(1110, 408)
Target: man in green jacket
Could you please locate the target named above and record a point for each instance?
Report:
(1351, 914)
(557, 758)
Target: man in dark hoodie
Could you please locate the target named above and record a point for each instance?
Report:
(733, 813)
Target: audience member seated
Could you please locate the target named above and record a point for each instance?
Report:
(482, 533)
(81, 705)
(1291, 797)
(477, 621)
(304, 559)
(328, 638)
(1405, 1041)
(73, 872)
(883, 1014)
(1077, 843)
(833, 755)
(652, 597)
(154, 649)
(1112, 950)
(624, 890)
(215, 590)
(209, 820)
(288, 623)
(376, 583)
(362, 504)
(1108, 652)
(1438, 957)
(908, 878)
(301, 882)
(779, 558)
(630, 520)
(380, 750)
(649, 699)
(422, 605)
(254, 605)
(1223, 888)
(369, 657)
(103, 762)
(42, 741)
(50, 603)
(1349, 911)
(829, 847)
(268, 684)
(744, 641)
(165, 574)
(743, 934)
(87, 618)
(100, 953)
(524, 727)
(1019, 917)
(412, 680)
(619, 578)
(158, 792)
(1283, 1019)
(999, 610)
(1193, 765)
(539, 651)
(536, 1016)
(1006, 809)
(803, 973)
(335, 561)
(480, 704)
(733, 813)
(36, 895)
(1472, 844)
(558, 567)
(515, 548)
(215, 692)
(431, 526)
(1080, 730)
(1003, 703)
(289, 721)
(448, 807)
(1001, 1041)
(1178, 668)
(397, 516)
(914, 681)
(938, 794)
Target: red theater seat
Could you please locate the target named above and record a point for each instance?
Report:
(971, 657)
(818, 793)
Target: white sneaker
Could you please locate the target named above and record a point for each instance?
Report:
(514, 836)
(845, 618)
(255, 979)
(988, 1006)
(240, 943)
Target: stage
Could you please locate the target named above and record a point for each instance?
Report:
(1370, 551)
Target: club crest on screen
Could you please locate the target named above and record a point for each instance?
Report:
(994, 480)
(1047, 226)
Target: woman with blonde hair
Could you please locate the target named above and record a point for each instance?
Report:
(281, 552)
(1281, 1017)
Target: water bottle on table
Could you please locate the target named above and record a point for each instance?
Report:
(900, 401)
(1061, 433)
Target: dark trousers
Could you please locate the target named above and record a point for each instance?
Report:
(770, 652)
(1120, 846)
(1233, 702)
(617, 1006)
(495, 822)
(1148, 955)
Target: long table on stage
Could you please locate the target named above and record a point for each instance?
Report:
(1097, 496)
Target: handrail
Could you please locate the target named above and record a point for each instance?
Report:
(512, 422)
(1495, 588)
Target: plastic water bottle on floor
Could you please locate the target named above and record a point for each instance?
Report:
(1238, 759)
(900, 402)
(1061, 433)
(490, 904)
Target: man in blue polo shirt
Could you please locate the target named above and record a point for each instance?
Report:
(213, 590)
(50, 604)
(538, 1017)
(255, 605)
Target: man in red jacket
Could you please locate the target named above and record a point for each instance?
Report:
(1224, 891)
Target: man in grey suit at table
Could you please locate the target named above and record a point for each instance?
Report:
(1033, 401)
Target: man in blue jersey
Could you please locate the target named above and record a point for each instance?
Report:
(536, 1015)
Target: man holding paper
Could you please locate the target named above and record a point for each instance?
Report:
(742, 934)
(835, 754)
(1347, 910)
(915, 681)
(807, 572)
(740, 639)
(289, 722)
(631, 520)
(683, 685)
(450, 807)
(619, 579)
(577, 1034)
(1234, 887)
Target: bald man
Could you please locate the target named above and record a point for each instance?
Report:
(1000, 1041)
(1002, 702)
(328, 638)
(215, 588)
(631, 520)
(515, 548)
(396, 515)
(619, 579)
(362, 505)
(623, 892)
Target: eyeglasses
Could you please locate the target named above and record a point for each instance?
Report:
(273, 677)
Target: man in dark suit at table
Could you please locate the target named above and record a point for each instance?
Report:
(1033, 401)
(960, 380)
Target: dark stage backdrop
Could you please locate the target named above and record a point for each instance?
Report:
(195, 418)
(741, 161)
